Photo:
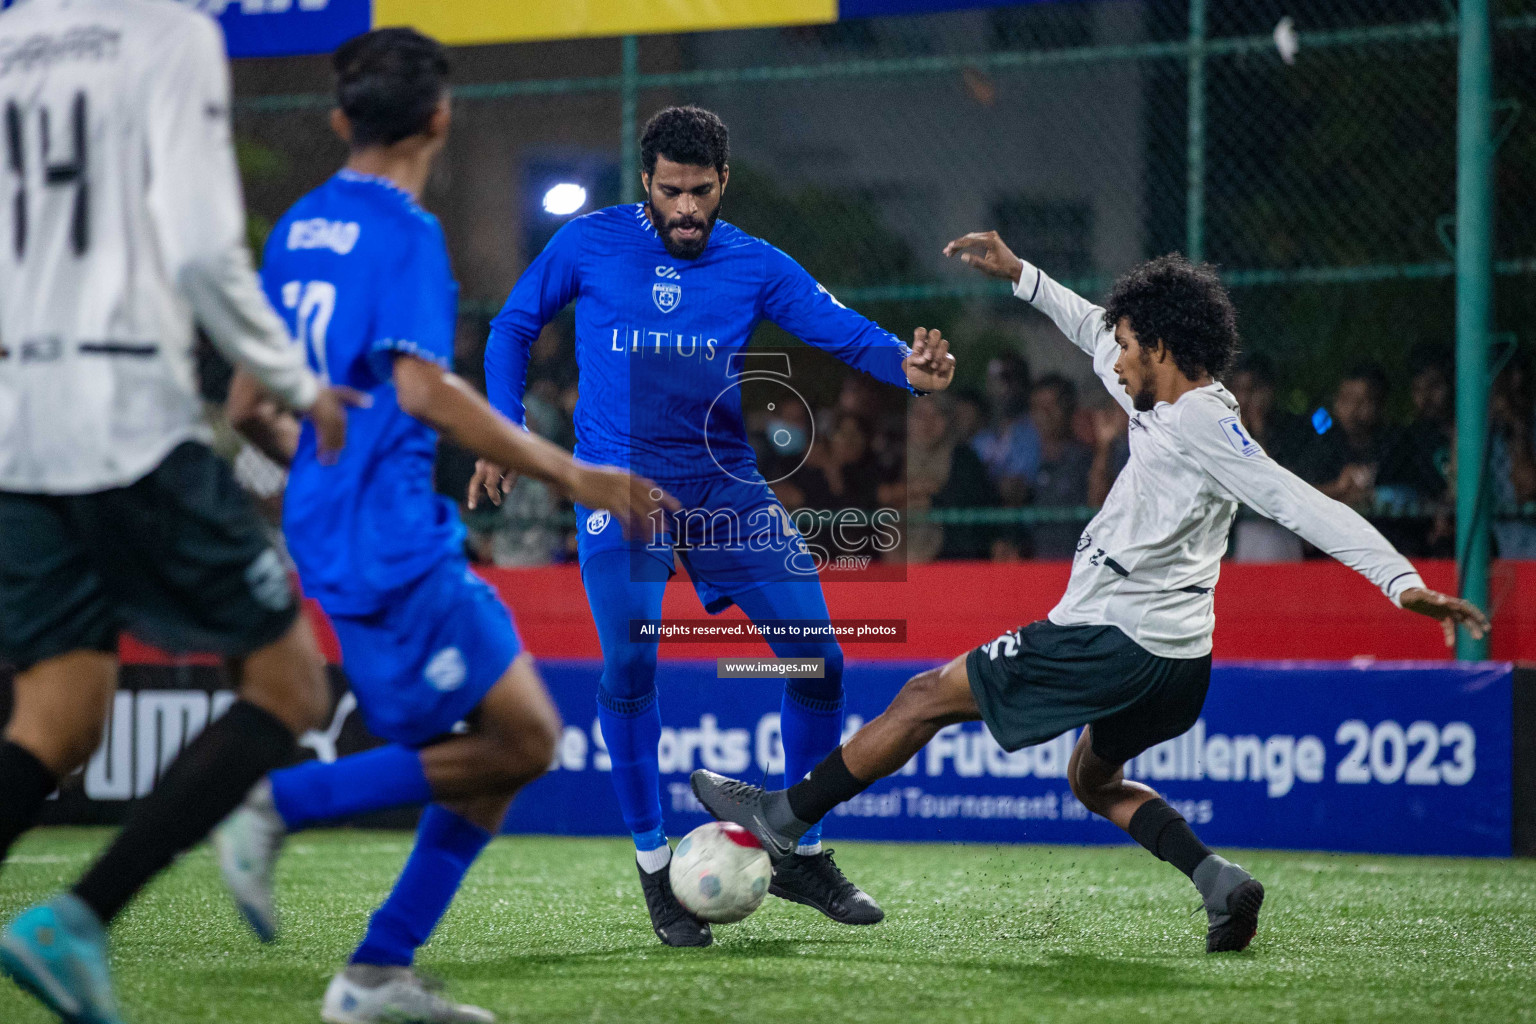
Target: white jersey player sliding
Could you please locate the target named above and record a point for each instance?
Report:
(1127, 650)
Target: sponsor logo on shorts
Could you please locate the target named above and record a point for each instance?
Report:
(598, 521)
(267, 581)
(446, 671)
(1005, 646)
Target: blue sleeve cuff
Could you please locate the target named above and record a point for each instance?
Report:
(903, 350)
(381, 355)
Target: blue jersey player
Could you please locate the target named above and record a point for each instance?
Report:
(361, 272)
(666, 298)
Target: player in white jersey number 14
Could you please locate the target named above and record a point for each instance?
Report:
(1126, 654)
(121, 221)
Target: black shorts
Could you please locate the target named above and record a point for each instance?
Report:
(1036, 683)
(179, 558)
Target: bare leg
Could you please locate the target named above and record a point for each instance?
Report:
(512, 743)
(511, 740)
(1102, 786)
(60, 707)
(927, 703)
(1232, 897)
(930, 701)
(286, 679)
(56, 722)
(282, 690)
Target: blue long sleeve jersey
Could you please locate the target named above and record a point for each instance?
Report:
(655, 337)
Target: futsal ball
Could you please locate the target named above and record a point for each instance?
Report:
(720, 872)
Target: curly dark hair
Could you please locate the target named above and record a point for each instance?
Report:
(685, 135)
(389, 83)
(1183, 305)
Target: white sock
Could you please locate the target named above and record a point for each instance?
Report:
(809, 849)
(652, 861)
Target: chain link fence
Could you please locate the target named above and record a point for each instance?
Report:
(1306, 147)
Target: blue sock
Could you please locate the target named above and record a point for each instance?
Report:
(375, 780)
(446, 845)
(809, 728)
(632, 734)
(654, 839)
(624, 585)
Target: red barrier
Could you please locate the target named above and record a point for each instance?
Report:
(1306, 610)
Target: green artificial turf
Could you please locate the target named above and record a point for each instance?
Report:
(552, 929)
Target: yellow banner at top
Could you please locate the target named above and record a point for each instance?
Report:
(463, 22)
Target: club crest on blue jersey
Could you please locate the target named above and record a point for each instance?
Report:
(667, 295)
(598, 521)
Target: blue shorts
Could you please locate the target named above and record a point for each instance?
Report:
(733, 536)
(426, 661)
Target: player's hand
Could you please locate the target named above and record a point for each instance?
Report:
(1451, 611)
(632, 500)
(490, 480)
(930, 367)
(329, 415)
(987, 253)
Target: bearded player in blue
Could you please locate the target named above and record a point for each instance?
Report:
(362, 273)
(666, 297)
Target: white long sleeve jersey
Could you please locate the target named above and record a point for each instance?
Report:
(1149, 561)
(120, 220)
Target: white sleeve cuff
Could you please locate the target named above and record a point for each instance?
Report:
(1028, 285)
(1402, 583)
(304, 392)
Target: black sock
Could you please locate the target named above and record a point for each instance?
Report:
(202, 786)
(26, 783)
(829, 784)
(1164, 831)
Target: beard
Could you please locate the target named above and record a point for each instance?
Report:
(690, 250)
(1145, 398)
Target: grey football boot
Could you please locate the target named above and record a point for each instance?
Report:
(1232, 900)
(813, 880)
(766, 815)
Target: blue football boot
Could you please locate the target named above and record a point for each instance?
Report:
(58, 952)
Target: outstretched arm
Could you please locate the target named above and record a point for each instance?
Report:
(793, 300)
(1080, 320)
(444, 400)
(1241, 469)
